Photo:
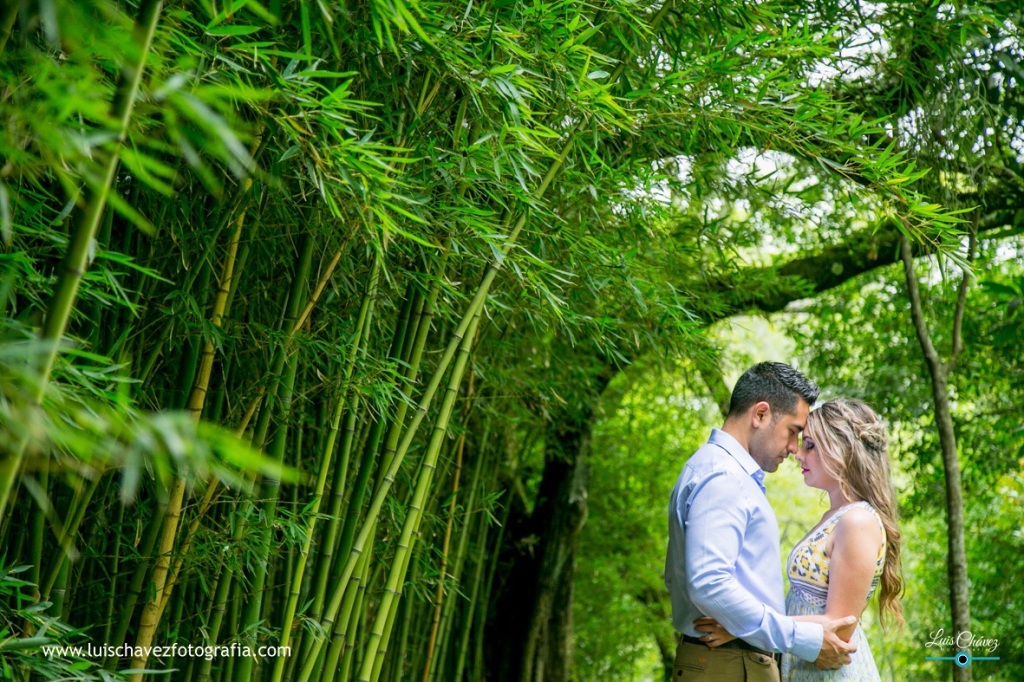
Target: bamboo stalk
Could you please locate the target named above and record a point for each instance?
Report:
(376, 658)
(412, 356)
(233, 206)
(361, 483)
(396, 662)
(343, 639)
(115, 574)
(474, 591)
(176, 611)
(473, 309)
(404, 339)
(69, 532)
(415, 358)
(377, 640)
(283, 589)
(58, 598)
(76, 259)
(435, 623)
(329, 540)
(267, 403)
(237, 594)
(7, 25)
(227, 583)
(412, 345)
(269, 496)
(219, 608)
(271, 487)
(194, 352)
(461, 550)
(412, 298)
(412, 352)
(206, 615)
(212, 489)
(401, 338)
(138, 579)
(38, 534)
(153, 609)
(299, 321)
(100, 332)
(355, 627)
(325, 463)
(343, 648)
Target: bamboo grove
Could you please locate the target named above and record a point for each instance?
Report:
(295, 292)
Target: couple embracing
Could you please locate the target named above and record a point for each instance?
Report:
(722, 567)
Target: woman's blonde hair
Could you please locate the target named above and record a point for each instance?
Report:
(852, 446)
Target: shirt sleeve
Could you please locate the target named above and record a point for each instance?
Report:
(715, 518)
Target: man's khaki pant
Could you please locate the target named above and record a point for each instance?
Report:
(697, 662)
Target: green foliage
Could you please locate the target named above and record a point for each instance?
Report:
(654, 418)
(28, 657)
(871, 352)
(942, 79)
(576, 174)
(87, 426)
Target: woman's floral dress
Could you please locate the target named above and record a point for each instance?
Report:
(808, 578)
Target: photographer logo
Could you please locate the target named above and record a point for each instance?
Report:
(964, 642)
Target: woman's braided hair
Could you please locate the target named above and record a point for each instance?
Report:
(853, 447)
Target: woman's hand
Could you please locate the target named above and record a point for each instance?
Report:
(716, 635)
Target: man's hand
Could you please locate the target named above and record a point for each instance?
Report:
(835, 651)
(715, 635)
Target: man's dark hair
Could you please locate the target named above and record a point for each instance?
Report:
(776, 383)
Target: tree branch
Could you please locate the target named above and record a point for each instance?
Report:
(916, 311)
(831, 267)
(961, 295)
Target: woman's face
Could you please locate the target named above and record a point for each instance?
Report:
(809, 458)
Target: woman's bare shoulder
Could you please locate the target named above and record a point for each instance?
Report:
(860, 522)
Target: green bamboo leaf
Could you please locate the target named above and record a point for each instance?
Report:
(6, 219)
(233, 30)
(28, 642)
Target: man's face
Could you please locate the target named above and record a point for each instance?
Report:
(776, 435)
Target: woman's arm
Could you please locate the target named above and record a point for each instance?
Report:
(853, 553)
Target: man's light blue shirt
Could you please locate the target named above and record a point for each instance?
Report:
(723, 552)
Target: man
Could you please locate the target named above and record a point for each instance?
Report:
(723, 548)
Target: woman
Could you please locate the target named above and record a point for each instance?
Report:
(834, 570)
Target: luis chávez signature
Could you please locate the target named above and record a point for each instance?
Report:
(963, 641)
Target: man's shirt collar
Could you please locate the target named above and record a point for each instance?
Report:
(739, 453)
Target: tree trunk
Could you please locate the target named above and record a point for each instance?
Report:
(530, 630)
(959, 598)
(959, 594)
